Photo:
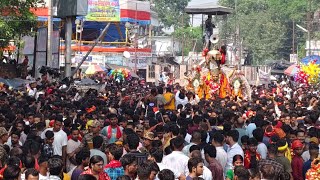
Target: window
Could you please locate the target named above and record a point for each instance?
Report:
(152, 73)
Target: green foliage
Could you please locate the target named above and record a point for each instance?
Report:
(15, 19)
(171, 12)
(267, 26)
(189, 36)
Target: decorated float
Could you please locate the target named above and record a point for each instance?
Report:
(212, 77)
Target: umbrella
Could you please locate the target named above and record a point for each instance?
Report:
(291, 70)
(94, 69)
(308, 59)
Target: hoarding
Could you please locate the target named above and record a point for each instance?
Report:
(103, 10)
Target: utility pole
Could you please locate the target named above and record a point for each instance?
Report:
(68, 34)
(236, 32)
(49, 40)
(309, 28)
(182, 50)
(293, 37)
(136, 44)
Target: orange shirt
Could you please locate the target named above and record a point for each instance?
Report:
(167, 96)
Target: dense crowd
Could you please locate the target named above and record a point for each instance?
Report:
(132, 131)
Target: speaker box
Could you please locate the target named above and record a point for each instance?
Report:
(66, 8)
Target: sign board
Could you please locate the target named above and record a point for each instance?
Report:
(293, 58)
(142, 59)
(114, 58)
(103, 10)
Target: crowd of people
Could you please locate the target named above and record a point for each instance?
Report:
(137, 131)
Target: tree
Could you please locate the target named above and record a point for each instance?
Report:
(15, 19)
(171, 12)
(190, 37)
(266, 26)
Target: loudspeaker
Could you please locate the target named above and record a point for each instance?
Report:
(67, 8)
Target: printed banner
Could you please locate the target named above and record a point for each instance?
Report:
(103, 10)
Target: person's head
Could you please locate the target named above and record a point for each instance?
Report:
(43, 162)
(166, 174)
(16, 151)
(28, 162)
(20, 126)
(97, 142)
(58, 123)
(258, 134)
(96, 164)
(83, 157)
(160, 90)
(95, 127)
(31, 174)
(12, 172)
(4, 135)
(75, 134)
(237, 160)
(132, 141)
(254, 174)
(313, 151)
(267, 171)
(87, 177)
(168, 89)
(156, 154)
(252, 144)
(129, 163)
(55, 166)
(196, 137)
(195, 166)
(178, 143)
(241, 173)
(115, 152)
(13, 161)
(15, 137)
(49, 137)
(209, 152)
(297, 147)
(31, 118)
(217, 139)
(148, 170)
(113, 119)
(244, 142)
(147, 139)
(301, 135)
(282, 146)
(272, 151)
(232, 137)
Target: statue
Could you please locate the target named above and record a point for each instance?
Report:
(240, 86)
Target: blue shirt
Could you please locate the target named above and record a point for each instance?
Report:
(306, 166)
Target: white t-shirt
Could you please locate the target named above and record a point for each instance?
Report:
(207, 175)
(178, 162)
(41, 177)
(60, 140)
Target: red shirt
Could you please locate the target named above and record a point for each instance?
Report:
(297, 165)
(102, 175)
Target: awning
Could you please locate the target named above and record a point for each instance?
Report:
(208, 9)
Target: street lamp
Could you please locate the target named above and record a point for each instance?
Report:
(307, 31)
